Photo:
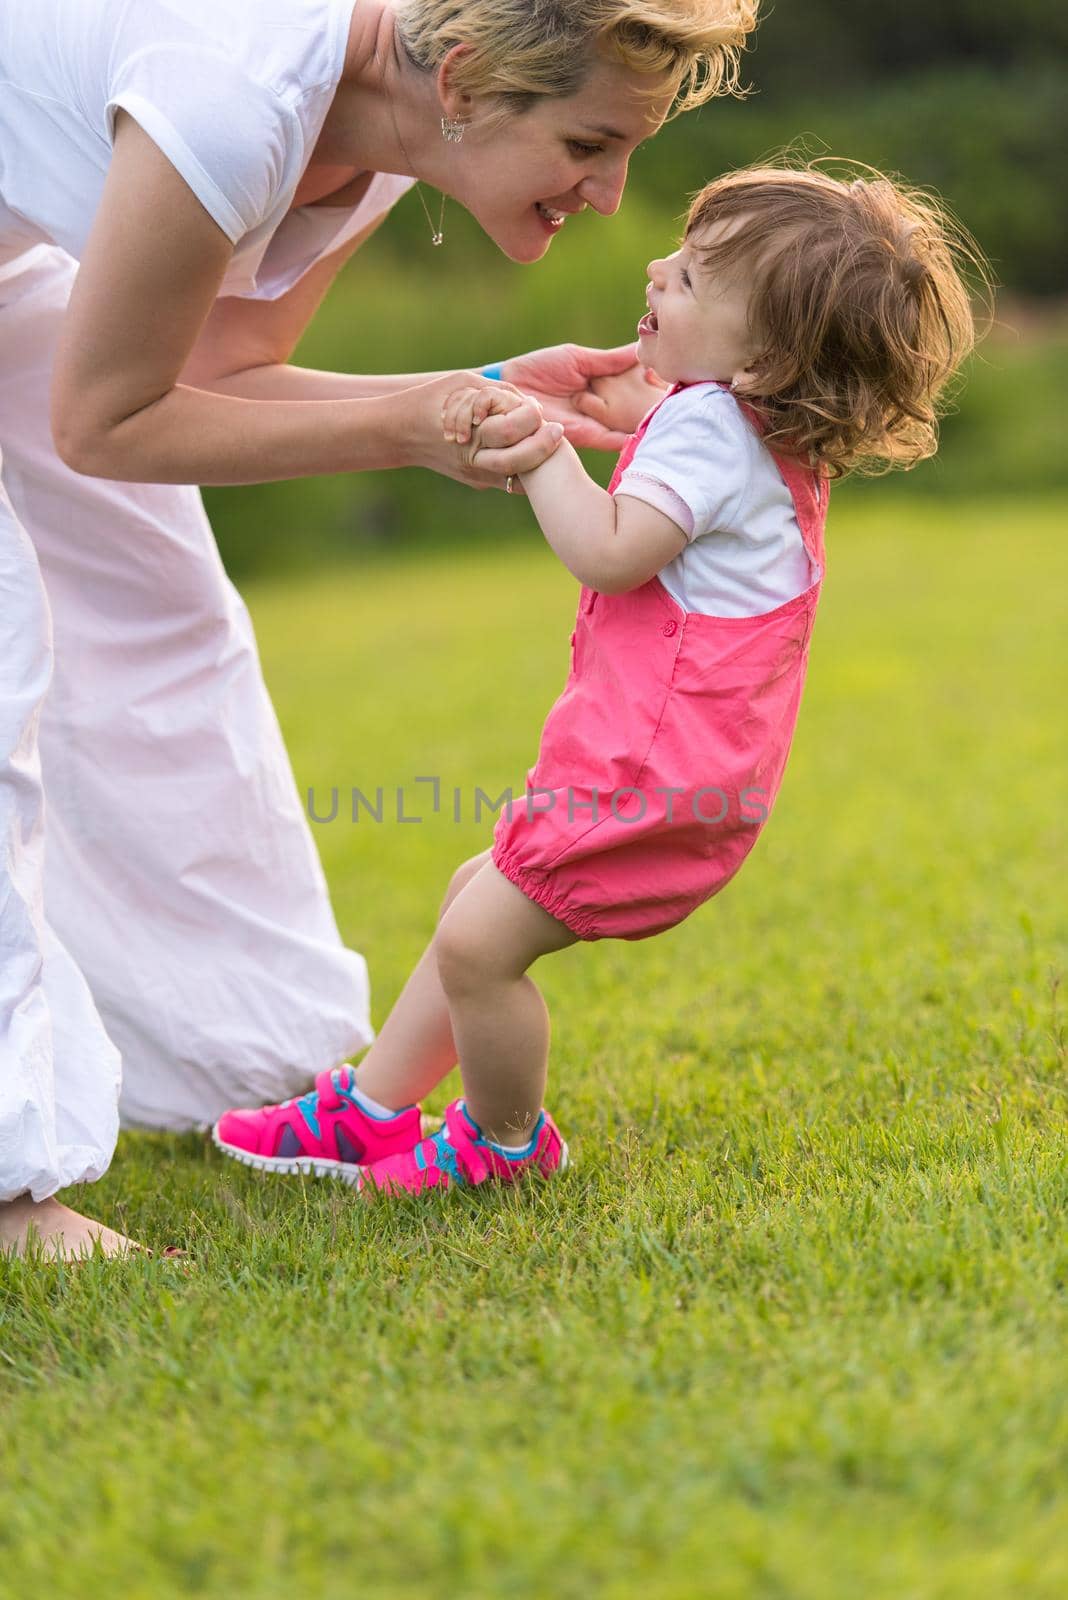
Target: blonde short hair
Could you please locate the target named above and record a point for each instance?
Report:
(526, 49)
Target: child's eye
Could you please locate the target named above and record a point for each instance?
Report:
(584, 149)
(685, 276)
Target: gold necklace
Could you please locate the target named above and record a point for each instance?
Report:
(436, 234)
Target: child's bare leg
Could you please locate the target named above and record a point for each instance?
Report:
(485, 942)
(415, 1048)
(63, 1234)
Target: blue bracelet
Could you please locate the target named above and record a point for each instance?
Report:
(494, 371)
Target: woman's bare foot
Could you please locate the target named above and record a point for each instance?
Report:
(65, 1235)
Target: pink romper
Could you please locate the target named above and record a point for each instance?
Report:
(660, 762)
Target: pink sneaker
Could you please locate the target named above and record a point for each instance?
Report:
(324, 1132)
(458, 1154)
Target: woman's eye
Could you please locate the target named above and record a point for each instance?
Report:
(685, 277)
(584, 149)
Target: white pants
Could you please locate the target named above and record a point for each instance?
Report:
(161, 900)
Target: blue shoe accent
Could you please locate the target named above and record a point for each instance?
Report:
(444, 1156)
(528, 1148)
(308, 1105)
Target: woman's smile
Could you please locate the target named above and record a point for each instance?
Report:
(553, 216)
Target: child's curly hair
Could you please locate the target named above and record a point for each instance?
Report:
(860, 301)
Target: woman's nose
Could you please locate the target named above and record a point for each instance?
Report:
(604, 190)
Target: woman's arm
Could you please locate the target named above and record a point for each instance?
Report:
(245, 346)
(148, 280)
(243, 335)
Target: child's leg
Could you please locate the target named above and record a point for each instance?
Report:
(485, 942)
(415, 1048)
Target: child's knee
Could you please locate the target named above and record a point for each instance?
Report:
(461, 877)
(464, 953)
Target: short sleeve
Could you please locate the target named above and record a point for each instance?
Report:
(694, 460)
(234, 141)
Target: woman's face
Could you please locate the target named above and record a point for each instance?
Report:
(521, 180)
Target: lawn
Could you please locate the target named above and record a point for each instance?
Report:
(794, 1325)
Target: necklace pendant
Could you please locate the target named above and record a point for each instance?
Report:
(437, 238)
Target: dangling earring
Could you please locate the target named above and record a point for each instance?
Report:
(452, 129)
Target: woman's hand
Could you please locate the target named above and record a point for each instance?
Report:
(513, 436)
(621, 400)
(600, 396)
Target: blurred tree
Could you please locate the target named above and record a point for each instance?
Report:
(965, 96)
(802, 43)
(992, 142)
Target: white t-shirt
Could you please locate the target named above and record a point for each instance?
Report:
(703, 465)
(234, 92)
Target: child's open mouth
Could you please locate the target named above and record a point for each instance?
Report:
(648, 324)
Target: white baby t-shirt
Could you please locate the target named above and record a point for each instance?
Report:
(703, 465)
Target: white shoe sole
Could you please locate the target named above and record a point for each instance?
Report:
(316, 1167)
(291, 1166)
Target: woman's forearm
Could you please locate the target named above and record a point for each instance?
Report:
(197, 436)
(282, 381)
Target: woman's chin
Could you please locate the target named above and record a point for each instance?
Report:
(522, 248)
(524, 241)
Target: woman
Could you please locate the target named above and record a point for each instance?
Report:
(179, 183)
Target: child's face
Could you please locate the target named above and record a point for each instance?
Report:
(697, 326)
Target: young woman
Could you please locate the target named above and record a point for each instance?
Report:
(179, 183)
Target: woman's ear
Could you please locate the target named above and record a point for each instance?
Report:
(456, 104)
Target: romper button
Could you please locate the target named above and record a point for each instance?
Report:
(669, 628)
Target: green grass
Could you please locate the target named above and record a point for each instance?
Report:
(794, 1326)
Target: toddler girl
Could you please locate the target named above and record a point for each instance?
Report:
(806, 326)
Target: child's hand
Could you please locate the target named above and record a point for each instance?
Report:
(466, 411)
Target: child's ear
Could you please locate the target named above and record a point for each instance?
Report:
(743, 381)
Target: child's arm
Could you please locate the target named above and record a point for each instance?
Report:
(609, 543)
